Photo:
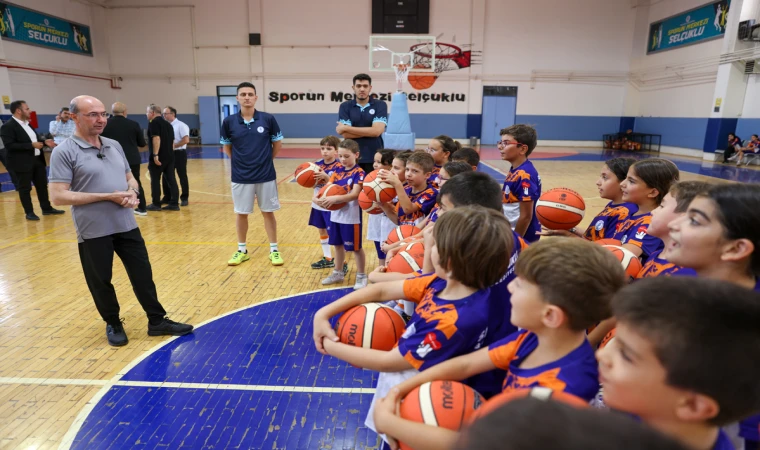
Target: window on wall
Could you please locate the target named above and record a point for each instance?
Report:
(500, 91)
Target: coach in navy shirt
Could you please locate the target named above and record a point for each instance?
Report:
(252, 140)
(364, 120)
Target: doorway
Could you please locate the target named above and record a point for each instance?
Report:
(499, 110)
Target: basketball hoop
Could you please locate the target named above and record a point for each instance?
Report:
(402, 75)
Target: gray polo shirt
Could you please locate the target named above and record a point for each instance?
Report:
(76, 162)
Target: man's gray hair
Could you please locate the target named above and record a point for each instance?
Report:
(155, 108)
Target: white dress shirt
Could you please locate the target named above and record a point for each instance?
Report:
(30, 132)
(180, 131)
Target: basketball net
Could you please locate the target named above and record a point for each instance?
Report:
(402, 75)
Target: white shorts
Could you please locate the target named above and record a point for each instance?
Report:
(266, 193)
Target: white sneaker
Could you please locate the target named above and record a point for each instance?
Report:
(335, 277)
(361, 281)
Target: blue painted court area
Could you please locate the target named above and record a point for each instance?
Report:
(251, 379)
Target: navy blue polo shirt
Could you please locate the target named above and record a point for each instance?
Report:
(251, 146)
(355, 115)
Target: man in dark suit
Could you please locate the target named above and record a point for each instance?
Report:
(161, 143)
(4, 160)
(127, 132)
(26, 159)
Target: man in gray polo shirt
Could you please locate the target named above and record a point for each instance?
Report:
(91, 173)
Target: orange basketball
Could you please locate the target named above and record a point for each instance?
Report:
(631, 264)
(370, 325)
(406, 261)
(614, 242)
(330, 190)
(305, 175)
(402, 232)
(368, 205)
(378, 190)
(560, 209)
(541, 393)
(446, 404)
(414, 247)
(421, 80)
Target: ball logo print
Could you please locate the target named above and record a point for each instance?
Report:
(599, 225)
(372, 111)
(260, 129)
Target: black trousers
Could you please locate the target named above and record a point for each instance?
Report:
(38, 176)
(136, 173)
(180, 166)
(96, 256)
(729, 152)
(167, 170)
(11, 173)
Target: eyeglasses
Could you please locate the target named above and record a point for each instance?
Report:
(95, 115)
(430, 150)
(502, 144)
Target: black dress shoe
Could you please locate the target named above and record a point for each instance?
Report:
(32, 216)
(116, 335)
(183, 203)
(170, 208)
(52, 211)
(169, 328)
(164, 201)
(152, 207)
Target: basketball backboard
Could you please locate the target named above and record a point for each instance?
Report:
(419, 52)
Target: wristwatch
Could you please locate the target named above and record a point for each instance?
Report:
(136, 191)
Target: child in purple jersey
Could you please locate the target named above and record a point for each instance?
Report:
(417, 198)
(551, 349)
(468, 155)
(673, 206)
(647, 183)
(685, 357)
(718, 238)
(320, 217)
(379, 225)
(603, 225)
(451, 317)
(522, 187)
(440, 148)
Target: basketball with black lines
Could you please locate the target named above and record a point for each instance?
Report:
(540, 393)
(631, 264)
(446, 404)
(330, 190)
(370, 325)
(368, 205)
(305, 175)
(560, 209)
(378, 190)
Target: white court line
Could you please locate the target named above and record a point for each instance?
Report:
(175, 385)
(68, 438)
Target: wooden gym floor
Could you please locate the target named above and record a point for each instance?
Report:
(56, 365)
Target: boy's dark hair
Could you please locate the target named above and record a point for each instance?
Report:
(349, 144)
(620, 166)
(454, 168)
(361, 77)
(658, 174)
(467, 154)
(705, 334)
(246, 84)
(403, 156)
(422, 159)
(685, 191)
(533, 424)
(738, 209)
(524, 134)
(330, 141)
(386, 156)
(754, 136)
(16, 105)
(576, 275)
(65, 108)
(473, 188)
(472, 242)
(449, 145)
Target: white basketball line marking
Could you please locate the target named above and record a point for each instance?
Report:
(426, 405)
(369, 322)
(409, 260)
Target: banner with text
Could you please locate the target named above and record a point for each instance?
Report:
(31, 27)
(691, 27)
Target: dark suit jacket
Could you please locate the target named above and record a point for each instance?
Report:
(19, 147)
(126, 132)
